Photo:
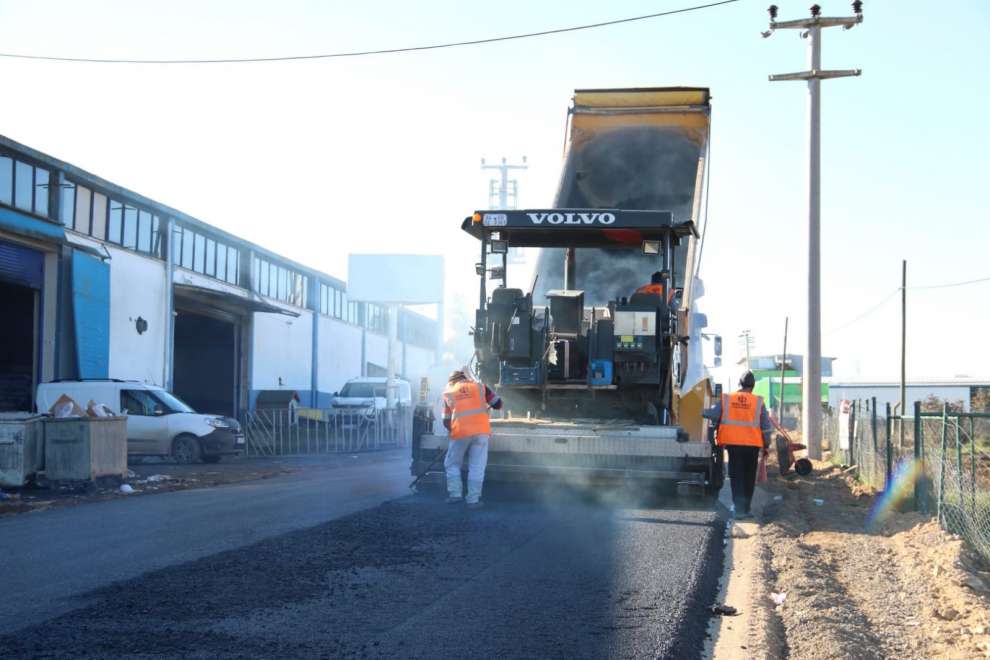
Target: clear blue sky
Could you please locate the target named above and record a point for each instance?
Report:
(318, 159)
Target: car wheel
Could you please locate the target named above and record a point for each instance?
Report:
(185, 449)
(213, 458)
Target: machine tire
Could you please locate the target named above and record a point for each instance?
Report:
(186, 449)
(803, 467)
(212, 458)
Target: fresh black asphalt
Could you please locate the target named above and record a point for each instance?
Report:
(534, 575)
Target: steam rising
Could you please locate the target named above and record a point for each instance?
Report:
(637, 167)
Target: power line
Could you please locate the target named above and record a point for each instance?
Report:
(360, 53)
(898, 290)
(951, 285)
(866, 313)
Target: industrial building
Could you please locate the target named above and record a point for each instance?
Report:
(960, 393)
(97, 281)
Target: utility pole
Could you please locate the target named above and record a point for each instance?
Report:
(811, 29)
(903, 347)
(503, 193)
(747, 340)
(783, 363)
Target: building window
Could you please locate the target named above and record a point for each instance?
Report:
(375, 318)
(280, 283)
(83, 209)
(116, 223)
(144, 232)
(95, 214)
(202, 254)
(418, 330)
(186, 257)
(130, 227)
(6, 179)
(98, 228)
(23, 185)
(333, 303)
(41, 185)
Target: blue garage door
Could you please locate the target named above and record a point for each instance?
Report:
(21, 265)
(91, 312)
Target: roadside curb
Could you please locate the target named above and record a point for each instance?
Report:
(742, 586)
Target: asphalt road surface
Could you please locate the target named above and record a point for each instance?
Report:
(325, 569)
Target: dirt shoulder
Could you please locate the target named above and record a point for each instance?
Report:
(825, 579)
(150, 476)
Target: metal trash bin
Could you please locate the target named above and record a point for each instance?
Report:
(84, 448)
(22, 448)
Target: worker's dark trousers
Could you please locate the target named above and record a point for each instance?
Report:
(743, 463)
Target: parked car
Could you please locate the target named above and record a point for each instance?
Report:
(158, 422)
(369, 396)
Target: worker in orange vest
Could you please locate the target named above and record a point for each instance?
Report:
(744, 430)
(656, 285)
(465, 415)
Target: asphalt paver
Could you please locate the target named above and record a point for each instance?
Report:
(525, 577)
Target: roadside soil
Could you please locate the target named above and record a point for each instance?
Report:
(901, 587)
(147, 476)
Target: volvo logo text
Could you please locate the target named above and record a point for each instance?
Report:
(572, 218)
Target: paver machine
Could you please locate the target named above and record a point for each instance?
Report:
(600, 382)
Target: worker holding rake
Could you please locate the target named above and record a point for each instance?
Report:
(465, 415)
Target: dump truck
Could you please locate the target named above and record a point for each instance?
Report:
(600, 383)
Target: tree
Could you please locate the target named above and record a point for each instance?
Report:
(933, 403)
(979, 400)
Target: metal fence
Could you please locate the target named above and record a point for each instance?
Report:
(323, 431)
(939, 460)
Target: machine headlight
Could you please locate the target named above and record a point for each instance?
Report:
(217, 422)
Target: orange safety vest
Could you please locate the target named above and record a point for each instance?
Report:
(740, 424)
(655, 289)
(469, 409)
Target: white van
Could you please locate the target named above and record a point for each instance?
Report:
(369, 395)
(158, 423)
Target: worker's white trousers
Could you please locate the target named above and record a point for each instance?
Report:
(476, 448)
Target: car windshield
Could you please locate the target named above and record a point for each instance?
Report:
(363, 390)
(171, 403)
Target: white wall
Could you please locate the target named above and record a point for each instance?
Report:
(377, 351)
(283, 348)
(891, 393)
(339, 354)
(137, 289)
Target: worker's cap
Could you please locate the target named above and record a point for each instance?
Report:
(747, 380)
(455, 376)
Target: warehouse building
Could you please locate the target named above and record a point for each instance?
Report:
(97, 281)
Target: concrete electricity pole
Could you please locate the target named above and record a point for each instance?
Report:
(503, 193)
(811, 29)
(746, 338)
(502, 189)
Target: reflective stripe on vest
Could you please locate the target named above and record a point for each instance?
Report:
(740, 423)
(469, 411)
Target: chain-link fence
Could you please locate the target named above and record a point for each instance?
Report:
(958, 466)
(301, 431)
(941, 461)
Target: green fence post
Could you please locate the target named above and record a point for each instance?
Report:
(941, 466)
(919, 456)
(876, 446)
(959, 470)
(972, 463)
(889, 450)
